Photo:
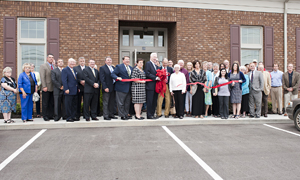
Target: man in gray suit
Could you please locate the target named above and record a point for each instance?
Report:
(256, 87)
(58, 92)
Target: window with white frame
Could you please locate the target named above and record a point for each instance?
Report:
(251, 44)
(32, 39)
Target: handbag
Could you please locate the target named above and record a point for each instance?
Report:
(35, 97)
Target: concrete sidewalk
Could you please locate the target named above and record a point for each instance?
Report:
(39, 123)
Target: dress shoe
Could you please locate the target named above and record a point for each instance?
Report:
(64, 118)
(55, 120)
(95, 119)
(251, 116)
(159, 116)
(46, 119)
(151, 117)
(129, 117)
(87, 119)
(180, 117)
(108, 119)
(76, 119)
(29, 119)
(70, 120)
(166, 116)
(265, 115)
(285, 114)
(280, 114)
(222, 117)
(124, 118)
(113, 117)
(176, 117)
(257, 116)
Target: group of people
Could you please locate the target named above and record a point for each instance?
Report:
(200, 89)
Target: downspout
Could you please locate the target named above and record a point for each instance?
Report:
(285, 35)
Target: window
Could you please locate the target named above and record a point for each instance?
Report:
(31, 42)
(125, 37)
(141, 38)
(251, 44)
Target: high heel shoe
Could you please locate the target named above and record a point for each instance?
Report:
(141, 118)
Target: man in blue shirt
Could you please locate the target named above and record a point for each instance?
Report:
(276, 90)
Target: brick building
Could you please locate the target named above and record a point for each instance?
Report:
(236, 30)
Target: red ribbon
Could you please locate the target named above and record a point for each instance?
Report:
(137, 79)
(217, 86)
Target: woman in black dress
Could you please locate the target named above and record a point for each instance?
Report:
(197, 75)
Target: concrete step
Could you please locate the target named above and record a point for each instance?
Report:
(39, 123)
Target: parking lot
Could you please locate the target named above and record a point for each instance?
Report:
(159, 152)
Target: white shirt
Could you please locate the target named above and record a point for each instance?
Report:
(177, 82)
(82, 67)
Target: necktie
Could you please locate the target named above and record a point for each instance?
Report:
(73, 73)
(128, 72)
(93, 72)
(252, 77)
(51, 67)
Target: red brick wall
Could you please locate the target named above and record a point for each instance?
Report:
(91, 30)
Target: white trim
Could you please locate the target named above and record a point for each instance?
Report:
(272, 6)
(29, 41)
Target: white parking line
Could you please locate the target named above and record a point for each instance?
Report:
(209, 170)
(16, 153)
(281, 130)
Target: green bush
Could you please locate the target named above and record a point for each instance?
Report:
(270, 106)
(18, 109)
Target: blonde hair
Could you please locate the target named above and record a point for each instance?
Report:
(7, 69)
(24, 65)
(189, 63)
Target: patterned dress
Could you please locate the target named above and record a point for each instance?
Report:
(138, 89)
(8, 98)
(236, 91)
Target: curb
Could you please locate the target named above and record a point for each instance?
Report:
(40, 124)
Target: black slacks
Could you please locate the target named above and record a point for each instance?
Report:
(151, 101)
(179, 102)
(47, 105)
(90, 105)
(108, 101)
(80, 96)
(224, 106)
(215, 105)
(59, 107)
(70, 105)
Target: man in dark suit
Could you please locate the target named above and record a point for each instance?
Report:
(58, 93)
(167, 94)
(123, 93)
(150, 70)
(91, 91)
(80, 78)
(108, 91)
(70, 85)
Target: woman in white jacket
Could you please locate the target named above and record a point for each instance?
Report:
(177, 88)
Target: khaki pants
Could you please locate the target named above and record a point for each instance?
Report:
(288, 97)
(160, 100)
(276, 96)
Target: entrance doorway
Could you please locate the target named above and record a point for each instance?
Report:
(140, 42)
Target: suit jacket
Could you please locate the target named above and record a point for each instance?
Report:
(170, 71)
(57, 82)
(90, 79)
(80, 76)
(120, 71)
(24, 82)
(150, 72)
(69, 81)
(106, 79)
(45, 73)
(295, 82)
(258, 81)
(267, 82)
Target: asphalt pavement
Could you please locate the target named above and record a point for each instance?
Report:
(232, 151)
